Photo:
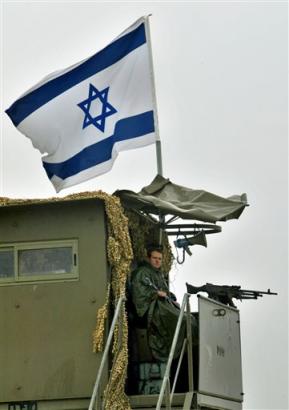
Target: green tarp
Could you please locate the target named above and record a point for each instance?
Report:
(166, 198)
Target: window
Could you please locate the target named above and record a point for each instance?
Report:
(38, 261)
(6, 263)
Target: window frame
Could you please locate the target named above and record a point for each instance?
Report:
(40, 278)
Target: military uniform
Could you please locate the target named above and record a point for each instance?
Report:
(159, 315)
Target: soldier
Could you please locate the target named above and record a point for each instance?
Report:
(155, 306)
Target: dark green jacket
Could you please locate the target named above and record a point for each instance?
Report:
(160, 314)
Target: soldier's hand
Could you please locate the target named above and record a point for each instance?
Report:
(162, 294)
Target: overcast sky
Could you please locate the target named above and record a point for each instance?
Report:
(221, 85)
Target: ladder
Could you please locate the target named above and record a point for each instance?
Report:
(187, 344)
(166, 391)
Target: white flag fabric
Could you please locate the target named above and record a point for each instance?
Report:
(81, 117)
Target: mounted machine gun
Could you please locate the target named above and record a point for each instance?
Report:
(225, 293)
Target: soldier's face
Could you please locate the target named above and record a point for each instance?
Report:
(156, 259)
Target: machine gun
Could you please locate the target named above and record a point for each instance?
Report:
(225, 293)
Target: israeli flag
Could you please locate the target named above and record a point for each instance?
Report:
(80, 118)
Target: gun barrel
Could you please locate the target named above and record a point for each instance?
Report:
(242, 297)
(257, 292)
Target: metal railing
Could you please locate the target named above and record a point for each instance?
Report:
(165, 388)
(95, 393)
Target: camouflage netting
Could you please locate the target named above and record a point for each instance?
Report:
(120, 256)
(143, 233)
(124, 229)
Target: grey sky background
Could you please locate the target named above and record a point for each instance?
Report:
(221, 85)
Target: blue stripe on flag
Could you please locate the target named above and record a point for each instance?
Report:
(98, 62)
(95, 154)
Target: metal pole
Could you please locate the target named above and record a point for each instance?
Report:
(168, 397)
(156, 121)
(172, 351)
(178, 368)
(190, 347)
(159, 157)
(105, 353)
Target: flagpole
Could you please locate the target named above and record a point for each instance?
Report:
(156, 121)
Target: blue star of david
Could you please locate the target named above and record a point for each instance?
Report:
(107, 109)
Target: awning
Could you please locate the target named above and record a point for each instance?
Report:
(163, 197)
